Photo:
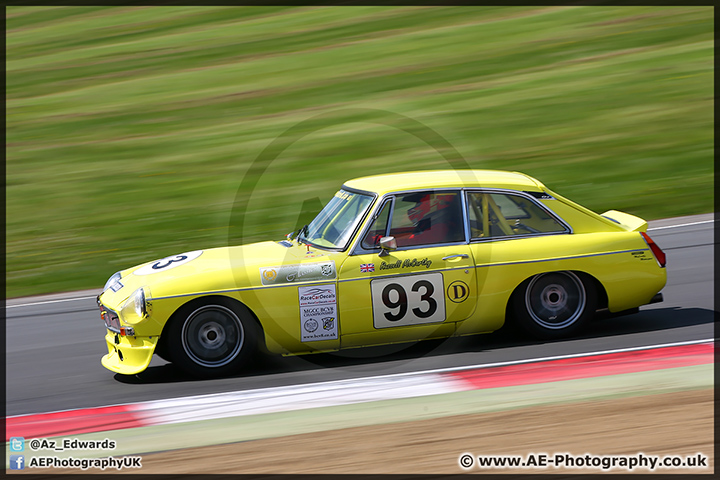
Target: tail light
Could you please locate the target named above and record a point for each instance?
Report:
(659, 254)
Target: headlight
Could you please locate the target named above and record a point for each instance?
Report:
(137, 307)
(112, 281)
(140, 309)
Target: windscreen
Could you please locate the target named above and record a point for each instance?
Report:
(335, 224)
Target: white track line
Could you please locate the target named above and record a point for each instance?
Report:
(92, 298)
(49, 301)
(682, 225)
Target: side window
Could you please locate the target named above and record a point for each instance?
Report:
(377, 228)
(427, 218)
(501, 215)
(510, 206)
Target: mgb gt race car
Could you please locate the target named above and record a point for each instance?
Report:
(391, 258)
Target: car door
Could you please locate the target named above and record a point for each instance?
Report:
(417, 291)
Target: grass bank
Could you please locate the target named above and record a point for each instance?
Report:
(131, 129)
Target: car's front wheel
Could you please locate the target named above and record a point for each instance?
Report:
(212, 338)
(554, 305)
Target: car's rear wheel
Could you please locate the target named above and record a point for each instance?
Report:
(554, 305)
(212, 338)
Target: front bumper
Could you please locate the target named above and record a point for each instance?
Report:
(656, 299)
(128, 355)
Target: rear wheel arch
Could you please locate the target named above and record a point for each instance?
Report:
(575, 294)
(601, 299)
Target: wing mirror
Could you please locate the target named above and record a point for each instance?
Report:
(386, 245)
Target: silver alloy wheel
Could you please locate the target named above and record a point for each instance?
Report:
(555, 300)
(212, 336)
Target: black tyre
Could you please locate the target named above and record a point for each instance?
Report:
(212, 338)
(161, 350)
(554, 305)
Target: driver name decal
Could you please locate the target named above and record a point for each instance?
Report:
(318, 313)
(425, 262)
(301, 272)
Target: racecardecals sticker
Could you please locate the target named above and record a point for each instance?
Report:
(367, 267)
(318, 313)
(408, 300)
(301, 272)
(168, 263)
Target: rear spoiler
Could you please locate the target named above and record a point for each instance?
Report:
(627, 221)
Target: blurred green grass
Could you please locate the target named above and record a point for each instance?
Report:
(130, 129)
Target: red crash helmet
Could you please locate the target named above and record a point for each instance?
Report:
(428, 204)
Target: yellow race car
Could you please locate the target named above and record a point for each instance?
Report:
(391, 258)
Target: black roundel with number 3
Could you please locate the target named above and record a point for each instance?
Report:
(408, 300)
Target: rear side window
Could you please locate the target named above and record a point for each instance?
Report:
(504, 214)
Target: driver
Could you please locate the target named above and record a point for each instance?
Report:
(432, 219)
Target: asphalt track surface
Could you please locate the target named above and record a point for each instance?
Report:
(54, 343)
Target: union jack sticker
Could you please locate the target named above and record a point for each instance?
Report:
(367, 267)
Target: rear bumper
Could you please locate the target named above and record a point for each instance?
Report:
(604, 313)
(128, 355)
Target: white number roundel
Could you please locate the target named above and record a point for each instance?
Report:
(168, 263)
(408, 300)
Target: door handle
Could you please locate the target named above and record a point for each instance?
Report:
(457, 255)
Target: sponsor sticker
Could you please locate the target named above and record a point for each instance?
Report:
(641, 255)
(318, 313)
(269, 275)
(300, 272)
(328, 323)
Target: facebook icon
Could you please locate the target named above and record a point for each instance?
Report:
(17, 462)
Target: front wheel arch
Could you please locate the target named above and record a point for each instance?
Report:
(237, 317)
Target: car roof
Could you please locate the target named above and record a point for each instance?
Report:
(436, 179)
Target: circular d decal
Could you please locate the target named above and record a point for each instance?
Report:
(458, 291)
(168, 263)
